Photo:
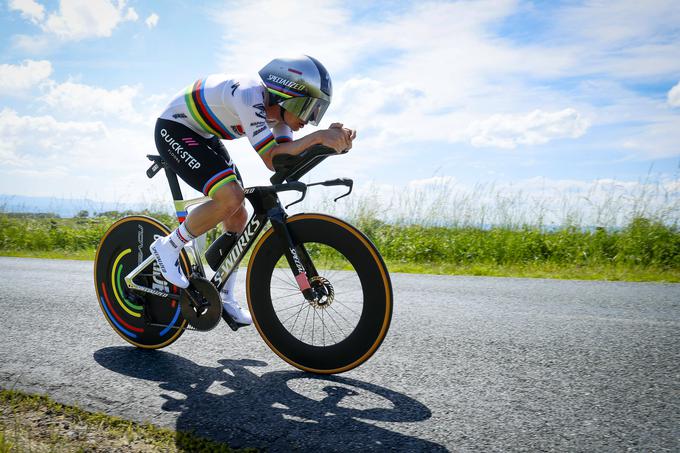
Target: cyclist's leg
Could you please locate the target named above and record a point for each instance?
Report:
(199, 162)
(228, 202)
(234, 223)
(226, 205)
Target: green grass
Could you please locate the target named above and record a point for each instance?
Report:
(641, 243)
(544, 270)
(22, 233)
(644, 250)
(36, 422)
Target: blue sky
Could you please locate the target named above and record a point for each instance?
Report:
(512, 93)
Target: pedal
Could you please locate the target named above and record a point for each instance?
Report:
(230, 322)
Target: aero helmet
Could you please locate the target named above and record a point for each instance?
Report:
(300, 85)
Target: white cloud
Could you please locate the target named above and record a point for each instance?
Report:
(152, 20)
(29, 73)
(94, 158)
(659, 139)
(14, 125)
(391, 114)
(535, 128)
(30, 9)
(674, 96)
(131, 15)
(69, 97)
(77, 19)
(33, 44)
(417, 74)
(420, 75)
(626, 39)
(393, 98)
(623, 22)
(28, 138)
(316, 37)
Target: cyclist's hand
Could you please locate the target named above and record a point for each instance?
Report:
(351, 135)
(336, 138)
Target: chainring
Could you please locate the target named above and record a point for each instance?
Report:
(203, 291)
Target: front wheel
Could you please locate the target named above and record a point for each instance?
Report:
(339, 331)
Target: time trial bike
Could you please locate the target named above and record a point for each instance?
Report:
(317, 288)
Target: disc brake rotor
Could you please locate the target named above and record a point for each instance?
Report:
(325, 294)
(201, 304)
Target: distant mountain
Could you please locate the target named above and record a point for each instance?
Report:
(63, 207)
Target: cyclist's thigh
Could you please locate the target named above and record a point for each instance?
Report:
(217, 145)
(195, 159)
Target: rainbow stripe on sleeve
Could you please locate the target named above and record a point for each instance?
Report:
(265, 145)
(201, 112)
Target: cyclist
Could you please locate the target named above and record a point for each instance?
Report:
(289, 93)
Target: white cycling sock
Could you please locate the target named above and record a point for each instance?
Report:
(180, 237)
(228, 288)
(167, 249)
(239, 314)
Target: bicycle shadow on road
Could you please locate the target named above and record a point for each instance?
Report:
(277, 410)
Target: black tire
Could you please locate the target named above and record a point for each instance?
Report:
(358, 333)
(124, 245)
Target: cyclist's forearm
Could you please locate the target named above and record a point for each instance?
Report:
(293, 148)
(297, 146)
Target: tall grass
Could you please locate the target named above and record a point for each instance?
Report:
(604, 224)
(642, 243)
(607, 204)
(45, 232)
(442, 224)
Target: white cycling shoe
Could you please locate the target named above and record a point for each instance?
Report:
(240, 315)
(167, 257)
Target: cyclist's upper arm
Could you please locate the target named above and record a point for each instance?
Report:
(249, 106)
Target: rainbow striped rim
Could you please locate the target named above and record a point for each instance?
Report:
(132, 309)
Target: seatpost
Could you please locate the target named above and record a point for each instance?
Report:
(174, 184)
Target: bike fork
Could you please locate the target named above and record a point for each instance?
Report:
(301, 266)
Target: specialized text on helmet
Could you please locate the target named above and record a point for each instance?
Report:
(286, 83)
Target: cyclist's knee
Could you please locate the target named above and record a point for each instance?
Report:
(229, 199)
(237, 221)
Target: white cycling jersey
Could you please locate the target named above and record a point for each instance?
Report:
(228, 107)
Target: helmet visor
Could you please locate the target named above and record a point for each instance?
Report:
(310, 110)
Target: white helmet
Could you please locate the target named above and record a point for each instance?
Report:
(300, 85)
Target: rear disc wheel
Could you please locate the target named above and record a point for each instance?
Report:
(124, 246)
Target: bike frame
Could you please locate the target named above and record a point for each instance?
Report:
(267, 209)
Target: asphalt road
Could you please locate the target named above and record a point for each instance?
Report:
(469, 364)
